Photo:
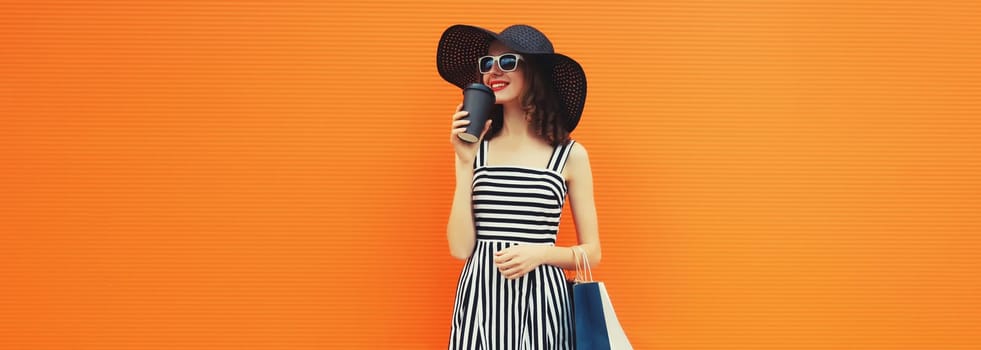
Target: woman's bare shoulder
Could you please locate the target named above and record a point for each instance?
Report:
(578, 163)
(578, 153)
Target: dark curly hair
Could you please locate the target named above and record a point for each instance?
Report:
(538, 100)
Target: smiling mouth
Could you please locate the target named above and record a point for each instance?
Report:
(498, 86)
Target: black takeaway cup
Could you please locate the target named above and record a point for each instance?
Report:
(478, 99)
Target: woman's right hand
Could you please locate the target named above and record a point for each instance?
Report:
(465, 151)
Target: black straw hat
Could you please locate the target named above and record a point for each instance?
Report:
(461, 46)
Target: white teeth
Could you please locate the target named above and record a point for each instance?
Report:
(498, 85)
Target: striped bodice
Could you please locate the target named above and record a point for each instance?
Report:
(519, 204)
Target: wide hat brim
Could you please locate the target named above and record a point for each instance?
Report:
(462, 45)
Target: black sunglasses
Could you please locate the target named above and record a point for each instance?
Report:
(507, 62)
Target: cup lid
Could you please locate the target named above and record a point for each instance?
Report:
(479, 86)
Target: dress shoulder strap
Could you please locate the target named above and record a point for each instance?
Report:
(481, 158)
(559, 156)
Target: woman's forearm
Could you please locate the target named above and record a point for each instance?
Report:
(563, 256)
(460, 231)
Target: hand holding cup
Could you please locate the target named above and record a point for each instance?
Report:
(465, 151)
(478, 100)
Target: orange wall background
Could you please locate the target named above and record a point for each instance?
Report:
(277, 175)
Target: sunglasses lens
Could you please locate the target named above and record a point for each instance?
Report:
(508, 62)
(486, 64)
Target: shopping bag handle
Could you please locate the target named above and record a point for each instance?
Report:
(582, 265)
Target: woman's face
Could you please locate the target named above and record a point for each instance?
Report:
(507, 86)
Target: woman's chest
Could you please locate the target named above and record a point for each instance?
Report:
(530, 157)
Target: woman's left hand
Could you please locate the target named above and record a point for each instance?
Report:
(516, 261)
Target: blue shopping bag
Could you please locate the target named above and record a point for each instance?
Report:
(596, 323)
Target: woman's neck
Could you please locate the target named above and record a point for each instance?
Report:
(515, 122)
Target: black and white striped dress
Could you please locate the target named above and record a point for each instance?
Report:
(514, 205)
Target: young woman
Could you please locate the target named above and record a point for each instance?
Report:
(511, 188)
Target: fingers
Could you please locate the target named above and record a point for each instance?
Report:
(499, 261)
(458, 127)
(459, 113)
(514, 273)
(502, 256)
(459, 123)
(510, 265)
